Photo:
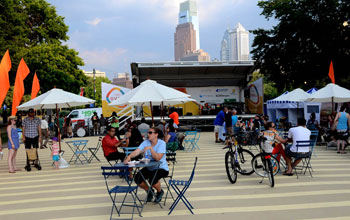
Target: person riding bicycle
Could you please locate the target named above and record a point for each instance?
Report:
(271, 139)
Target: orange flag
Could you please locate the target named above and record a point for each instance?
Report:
(331, 73)
(35, 86)
(5, 67)
(18, 91)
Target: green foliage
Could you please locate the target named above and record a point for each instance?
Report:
(297, 51)
(31, 29)
(89, 89)
(270, 90)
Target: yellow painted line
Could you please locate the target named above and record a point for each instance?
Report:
(194, 189)
(197, 199)
(164, 212)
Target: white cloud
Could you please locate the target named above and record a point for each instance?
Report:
(94, 22)
(100, 58)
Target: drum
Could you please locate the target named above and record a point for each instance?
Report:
(81, 132)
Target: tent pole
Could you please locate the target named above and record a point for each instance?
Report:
(150, 104)
(332, 105)
(58, 128)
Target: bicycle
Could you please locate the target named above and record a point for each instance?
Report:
(264, 164)
(237, 159)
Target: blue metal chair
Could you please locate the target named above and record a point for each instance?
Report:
(313, 137)
(197, 138)
(181, 193)
(94, 150)
(126, 189)
(171, 159)
(306, 158)
(190, 140)
(129, 150)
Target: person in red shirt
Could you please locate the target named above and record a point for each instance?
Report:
(110, 146)
(174, 115)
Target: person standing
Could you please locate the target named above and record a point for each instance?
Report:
(175, 116)
(235, 128)
(44, 133)
(55, 152)
(95, 121)
(13, 144)
(343, 123)
(68, 125)
(103, 123)
(218, 123)
(31, 130)
(228, 121)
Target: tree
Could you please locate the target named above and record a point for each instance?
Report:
(89, 89)
(297, 51)
(31, 29)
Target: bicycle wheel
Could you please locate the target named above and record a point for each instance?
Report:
(244, 162)
(230, 167)
(269, 168)
(258, 166)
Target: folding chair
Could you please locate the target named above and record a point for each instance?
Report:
(197, 138)
(129, 150)
(94, 150)
(171, 159)
(181, 193)
(313, 137)
(125, 189)
(306, 158)
(190, 139)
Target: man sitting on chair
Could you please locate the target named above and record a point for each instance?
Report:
(299, 133)
(110, 146)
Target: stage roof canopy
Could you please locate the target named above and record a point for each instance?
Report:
(194, 74)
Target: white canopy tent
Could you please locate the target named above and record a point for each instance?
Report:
(330, 93)
(152, 93)
(290, 104)
(56, 99)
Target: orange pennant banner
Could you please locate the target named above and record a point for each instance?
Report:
(35, 86)
(18, 91)
(331, 73)
(5, 67)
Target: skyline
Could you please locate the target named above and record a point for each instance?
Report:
(110, 34)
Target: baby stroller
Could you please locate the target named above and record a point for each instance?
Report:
(32, 156)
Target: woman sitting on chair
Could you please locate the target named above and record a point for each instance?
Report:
(155, 149)
(270, 145)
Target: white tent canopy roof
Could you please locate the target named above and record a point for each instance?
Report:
(297, 95)
(151, 91)
(55, 98)
(329, 93)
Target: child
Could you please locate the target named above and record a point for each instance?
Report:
(55, 152)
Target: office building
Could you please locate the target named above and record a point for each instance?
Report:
(184, 40)
(198, 55)
(235, 44)
(188, 13)
(123, 80)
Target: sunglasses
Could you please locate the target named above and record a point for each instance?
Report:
(152, 132)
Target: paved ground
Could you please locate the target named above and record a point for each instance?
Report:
(79, 191)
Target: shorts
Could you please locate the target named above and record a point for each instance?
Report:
(229, 130)
(56, 158)
(29, 142)
(115, 156)
(296, 155)
(217, 128)
(149, 175)
(342, 135)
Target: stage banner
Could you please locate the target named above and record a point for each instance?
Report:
(110, 93)
(214, 95)
(254, 100)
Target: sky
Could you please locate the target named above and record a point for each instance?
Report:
(110, 34)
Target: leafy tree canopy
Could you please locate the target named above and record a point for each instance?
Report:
(89, 90)
(31, 29)
(297, 51)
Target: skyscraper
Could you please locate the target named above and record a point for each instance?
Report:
(235, 44)
(184, 40)
(188, 13)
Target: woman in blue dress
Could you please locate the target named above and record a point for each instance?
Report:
(13, 144)
(342, 119)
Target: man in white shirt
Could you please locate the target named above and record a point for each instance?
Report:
(44, 132)
(299, 133)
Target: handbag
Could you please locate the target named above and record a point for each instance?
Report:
(62, 163)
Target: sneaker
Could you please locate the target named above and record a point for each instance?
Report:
(159, 196)
(150, 195)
